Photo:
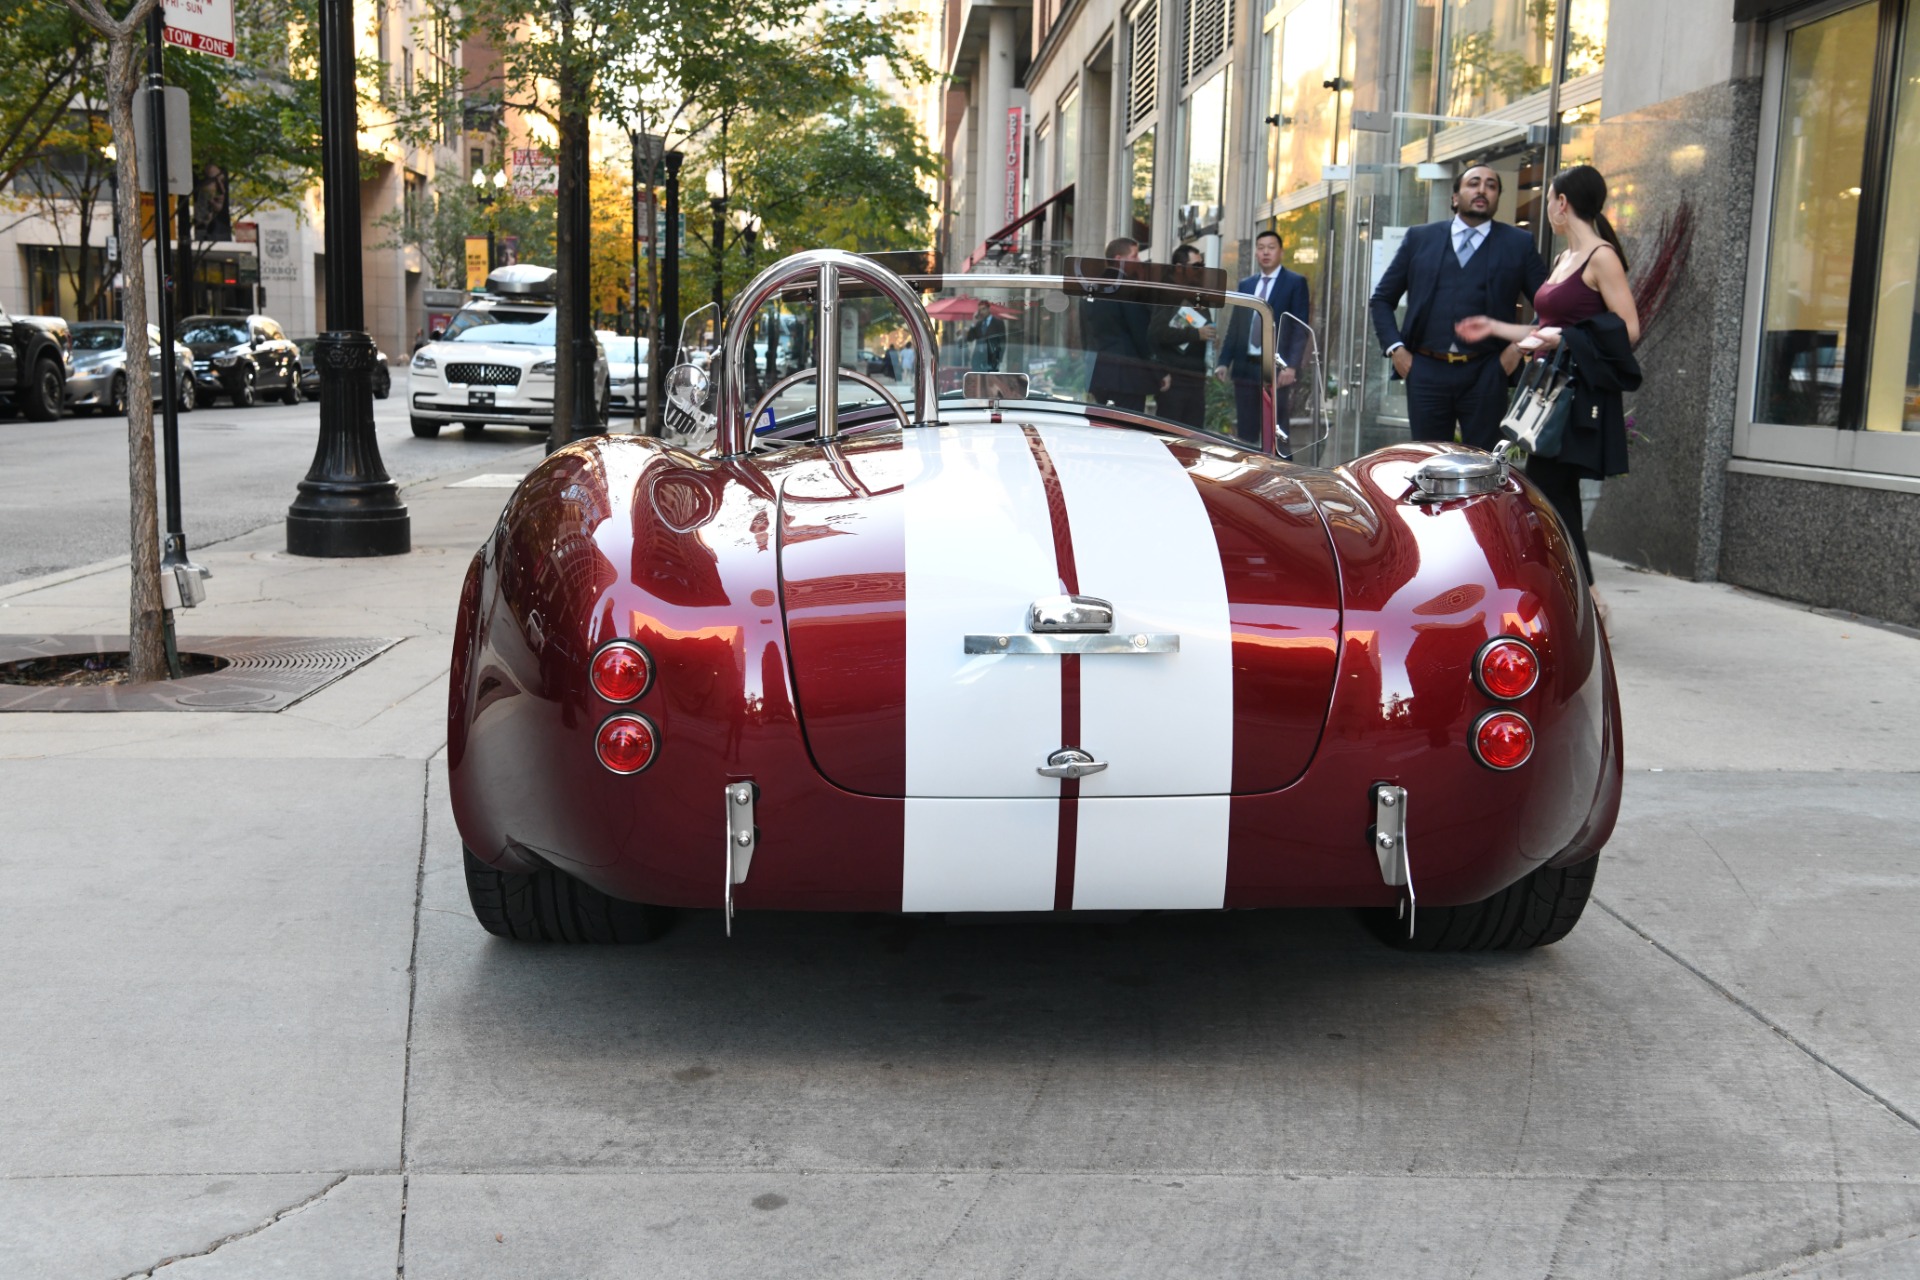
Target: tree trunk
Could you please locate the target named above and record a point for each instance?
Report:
(146, 620)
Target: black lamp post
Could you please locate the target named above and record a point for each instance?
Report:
(347, 506)
(487, 192)
(667, 338)
(717, 198)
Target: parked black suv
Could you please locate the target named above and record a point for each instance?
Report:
(240, 357)
(33, 369)
(310, 372)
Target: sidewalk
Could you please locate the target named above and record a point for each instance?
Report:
(250, 1024)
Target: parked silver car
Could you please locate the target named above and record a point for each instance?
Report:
(97, 382)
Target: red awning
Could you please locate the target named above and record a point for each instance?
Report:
(961, 308)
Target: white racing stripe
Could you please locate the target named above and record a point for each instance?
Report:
(979, 550)
(1163, 722)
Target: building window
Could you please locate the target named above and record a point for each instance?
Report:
(1496, 51)
(1893, 382)
(1206, 151)
(1826, 102)
(1069, 135)
(1309, 112)
(1143, 103)
(1206, 30)
(1140, 156)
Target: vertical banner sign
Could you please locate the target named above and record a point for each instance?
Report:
(534, 173)
(204, 26)
(476, 262)
(1016, 138)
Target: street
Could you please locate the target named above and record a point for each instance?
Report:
(63, 484)
(254, 1029)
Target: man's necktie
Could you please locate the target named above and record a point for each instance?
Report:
(1465, 251)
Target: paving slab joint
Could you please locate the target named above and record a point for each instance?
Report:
(1754, 1012)
(146, 1272)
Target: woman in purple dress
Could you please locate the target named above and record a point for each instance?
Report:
(1587, 306)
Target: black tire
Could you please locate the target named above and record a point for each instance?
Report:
(45, 393)
(547, 906)
(188, 397)
(291, 395)
(1535, 911)
(382, 383)
(240, 390)
(425, 428)
(116, 395)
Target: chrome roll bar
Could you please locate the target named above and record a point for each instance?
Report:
(822, 269)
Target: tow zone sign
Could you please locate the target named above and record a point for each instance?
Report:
(204, 26)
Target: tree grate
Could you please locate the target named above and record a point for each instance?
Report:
(255, 673)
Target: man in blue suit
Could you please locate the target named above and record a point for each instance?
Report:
(1286, 292)
(1469, 265)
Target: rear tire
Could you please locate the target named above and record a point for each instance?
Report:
(240, 391)
(292, 393)
(46, 392)
(547, 906)
(116, 395)
(1535, 911)
(382, 383)
(188, 397)
(426, 428)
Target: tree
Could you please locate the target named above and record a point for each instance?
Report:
(46, 54)
(146, 622)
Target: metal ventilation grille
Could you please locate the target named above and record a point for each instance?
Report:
(254, 673)
(1208, 28)
(484, 375)
(1143, 70)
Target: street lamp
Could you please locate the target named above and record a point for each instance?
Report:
(487, 198)
(111, 154)
(347, 505)
(717, 197)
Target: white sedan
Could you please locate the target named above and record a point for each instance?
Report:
(492, 373)
(627, 376)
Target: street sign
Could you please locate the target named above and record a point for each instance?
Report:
(534, 172)
(204, 26)
(179, 140)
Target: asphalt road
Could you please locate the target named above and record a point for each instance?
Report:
(63, 485)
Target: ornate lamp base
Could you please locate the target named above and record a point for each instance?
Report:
(347, 505)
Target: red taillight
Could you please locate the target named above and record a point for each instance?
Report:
(621, 671)
(1507, 668)
(626, 743)
(1502, 740)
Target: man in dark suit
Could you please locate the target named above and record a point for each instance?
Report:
(1447, 271)
(988, 334)
(1286, 293)
(1124, 370)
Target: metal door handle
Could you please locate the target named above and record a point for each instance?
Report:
(1070, 762)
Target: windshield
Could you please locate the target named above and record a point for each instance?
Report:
(209, 332)
(1169, 344)
(474, 317)
(511, 333)
(97, 337)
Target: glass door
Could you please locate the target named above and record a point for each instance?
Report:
(1397, 178)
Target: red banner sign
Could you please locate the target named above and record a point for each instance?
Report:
(1016, 141)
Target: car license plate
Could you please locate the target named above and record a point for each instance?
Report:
(483, 399)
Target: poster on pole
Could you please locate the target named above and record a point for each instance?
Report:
(277, 262)
(476, 262)
(535, 173)
(204, 26)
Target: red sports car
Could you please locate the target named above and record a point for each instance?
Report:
(1012, 648)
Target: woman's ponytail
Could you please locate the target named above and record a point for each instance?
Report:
(1586, 193)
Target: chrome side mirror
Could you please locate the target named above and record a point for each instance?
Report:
(690, 392)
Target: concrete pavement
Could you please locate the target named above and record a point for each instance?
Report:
(252, 1026)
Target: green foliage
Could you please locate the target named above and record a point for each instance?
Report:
(46, 55)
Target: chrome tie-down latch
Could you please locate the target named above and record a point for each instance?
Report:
(742, 838)
(1389, 840)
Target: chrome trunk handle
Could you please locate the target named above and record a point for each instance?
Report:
(1070, 762)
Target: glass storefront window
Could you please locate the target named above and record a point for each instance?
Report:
(1141, 162)
(1269, 101)
(1309, 113)
(1824, 110)
(1587, 38)
(1206, 178)
(1893, 385)
(1496, 51)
